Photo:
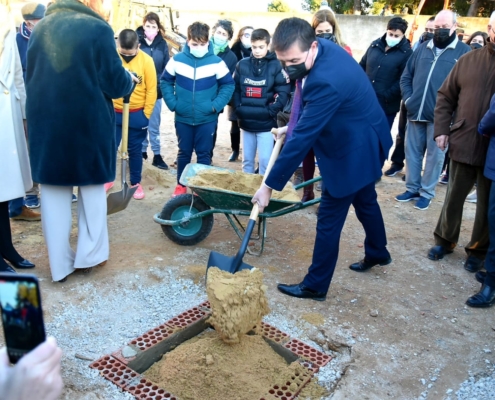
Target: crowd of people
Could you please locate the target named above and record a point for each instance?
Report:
(333, 111)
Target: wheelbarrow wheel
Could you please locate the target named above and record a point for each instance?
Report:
(192, 232)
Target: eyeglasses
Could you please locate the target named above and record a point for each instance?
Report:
(247, 35)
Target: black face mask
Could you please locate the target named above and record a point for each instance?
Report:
(442, 37)
(476, 46)
(127, 58)
(297, 71)
(427, 36)
(328, 36)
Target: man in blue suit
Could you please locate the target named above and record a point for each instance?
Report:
(341, 119)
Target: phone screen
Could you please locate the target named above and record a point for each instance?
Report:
(22, 316)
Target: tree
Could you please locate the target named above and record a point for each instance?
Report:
(278, 6)
(311, 5)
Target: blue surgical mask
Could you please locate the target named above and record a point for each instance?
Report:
(220, 40)
(391, 42)
(199, 52)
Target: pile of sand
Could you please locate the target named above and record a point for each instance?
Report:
(239, 182)
(207, 368)
(238, 302)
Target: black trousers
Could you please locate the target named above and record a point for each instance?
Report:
(235, 136)
(490, 255)
(7, 250)
(399, 154)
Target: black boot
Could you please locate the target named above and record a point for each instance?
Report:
(234, 156)
(145, 155)
(484, 298)
(158, 162)
(308, 194)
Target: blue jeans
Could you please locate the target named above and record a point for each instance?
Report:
(138, 127)
(252, 141)
(198, 138)
(331, 218)
(15, 207)
(154, 129)
(418, 138)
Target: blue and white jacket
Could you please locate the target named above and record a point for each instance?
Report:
(196, 89)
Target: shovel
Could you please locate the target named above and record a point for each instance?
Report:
(118, 201)
(234, 264)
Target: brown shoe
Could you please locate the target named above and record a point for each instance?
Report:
(308, 194)
(88, 270)
(27, 215)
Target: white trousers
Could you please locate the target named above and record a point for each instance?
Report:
(92, 241)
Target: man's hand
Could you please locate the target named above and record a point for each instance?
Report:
(135, 79)
(442, 142)
(35, 376)
(279, 132)
(262, 197)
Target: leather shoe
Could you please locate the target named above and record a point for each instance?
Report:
(484, 298)
(480, 276)
(301, 291)
(473, 264)
(24, 264)
(364, 264)
(7, 268)
(438, 252)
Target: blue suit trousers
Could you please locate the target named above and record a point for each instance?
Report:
(331, 218)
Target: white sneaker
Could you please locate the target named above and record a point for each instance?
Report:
(472, 197)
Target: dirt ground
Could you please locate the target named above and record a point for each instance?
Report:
(404, 323)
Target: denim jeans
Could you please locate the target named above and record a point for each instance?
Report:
(154, 129)
(138, 125)
(252, 141)
(419, 137)
(197, 138)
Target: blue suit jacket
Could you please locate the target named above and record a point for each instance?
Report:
(342, 121)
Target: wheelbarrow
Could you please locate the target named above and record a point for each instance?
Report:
(188, 219)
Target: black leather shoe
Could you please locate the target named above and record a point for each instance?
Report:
(473, 264)
(234, 156)
(7, 268)
(364, 264)
(484, 298)
(438, 252)
(480, 276)
(24, 264)
(301, 291)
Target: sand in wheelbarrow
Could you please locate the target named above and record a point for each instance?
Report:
(207, 368)
(238, 302)
(239, 182)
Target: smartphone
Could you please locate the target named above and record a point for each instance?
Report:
(22, 316)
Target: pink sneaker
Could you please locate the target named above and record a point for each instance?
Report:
(108, 186)
(179, 189)
(139, 193)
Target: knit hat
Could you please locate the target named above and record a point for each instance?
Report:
(33, 11)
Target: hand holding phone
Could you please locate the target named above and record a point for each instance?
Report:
(22, 316)
(35, 376)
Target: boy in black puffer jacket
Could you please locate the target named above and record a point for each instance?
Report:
(261, 91)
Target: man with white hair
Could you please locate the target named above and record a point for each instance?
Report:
(462, 101)
(425, 72)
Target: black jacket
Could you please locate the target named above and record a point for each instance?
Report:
(384, 69)
(240, 51)
(261, 91)
(228, 58)
(158, 51)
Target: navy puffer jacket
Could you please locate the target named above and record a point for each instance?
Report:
(261, 91)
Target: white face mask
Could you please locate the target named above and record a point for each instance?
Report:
(246, 43)
(391, 41)
(199, 51)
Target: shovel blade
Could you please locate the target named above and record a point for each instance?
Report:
(119, 201)
(225, 263)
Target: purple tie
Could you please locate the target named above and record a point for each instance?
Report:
(295, 110)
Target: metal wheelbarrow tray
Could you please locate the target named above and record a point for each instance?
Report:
(188, 219)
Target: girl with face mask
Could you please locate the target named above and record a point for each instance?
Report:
(477, 40)
(326, 27)
(151, 41)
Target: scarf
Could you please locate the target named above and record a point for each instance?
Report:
(218, 49)
(25, 31)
